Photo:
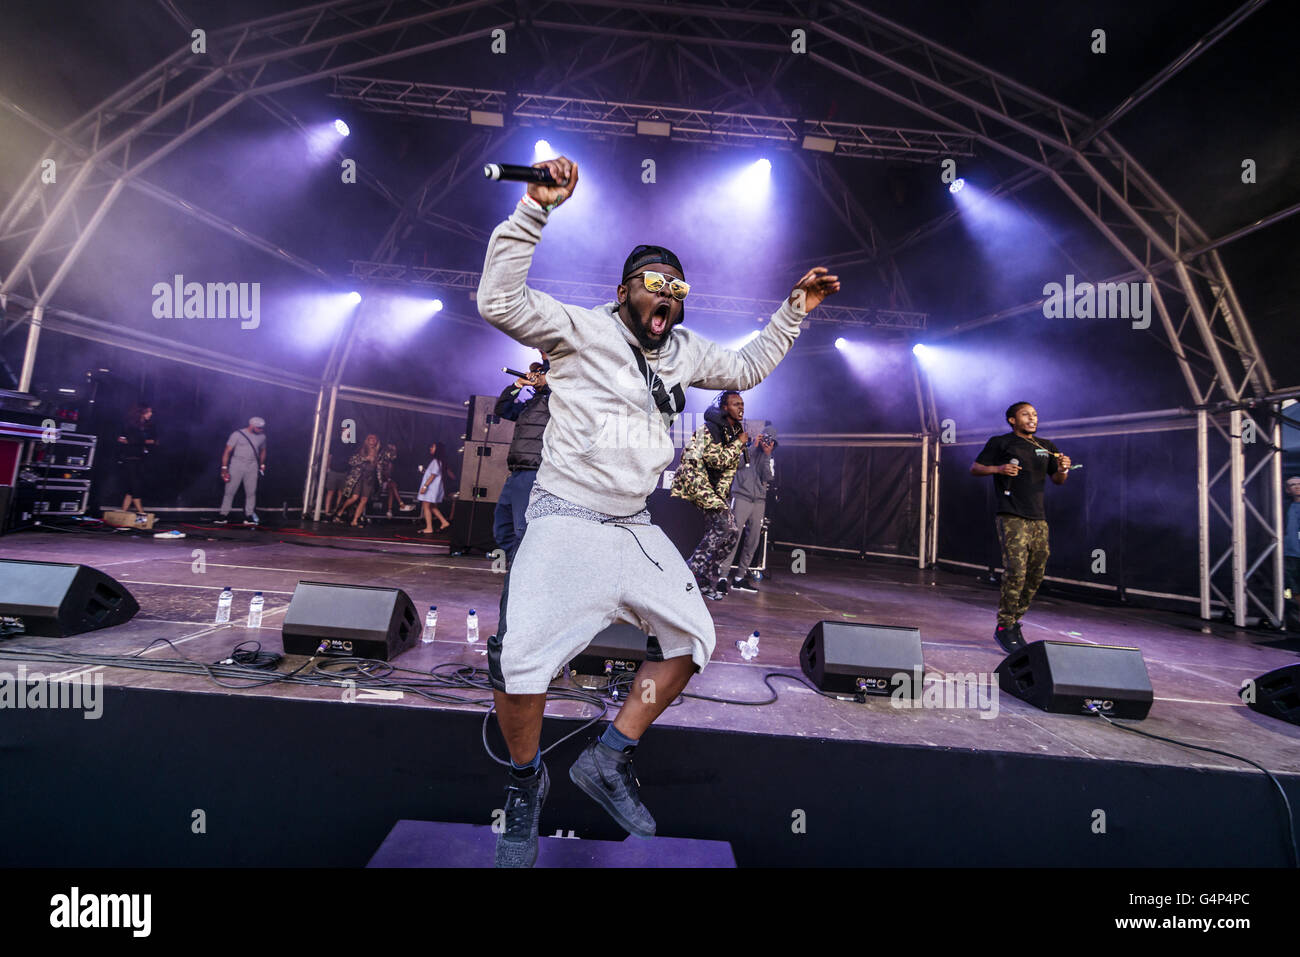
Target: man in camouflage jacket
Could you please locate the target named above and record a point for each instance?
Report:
(703, 478)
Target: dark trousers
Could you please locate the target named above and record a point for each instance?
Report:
(508, 522)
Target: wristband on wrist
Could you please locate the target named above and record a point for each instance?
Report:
(536, 205)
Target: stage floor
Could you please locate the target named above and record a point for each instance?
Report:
(1194, 671)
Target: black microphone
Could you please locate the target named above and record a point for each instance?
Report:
(514, 372)
(1012, 462)
(505, 172)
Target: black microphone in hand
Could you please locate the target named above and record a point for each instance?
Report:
(505, 172)
(1015, 462)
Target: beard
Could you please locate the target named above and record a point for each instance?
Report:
(645, 337)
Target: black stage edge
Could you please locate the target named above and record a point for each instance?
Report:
(297, 783)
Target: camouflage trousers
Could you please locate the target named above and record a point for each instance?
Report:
(1024, 556)
(715, 547)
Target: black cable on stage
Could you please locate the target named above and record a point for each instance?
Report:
(253, 657)
(1290, 822)
(861, 699)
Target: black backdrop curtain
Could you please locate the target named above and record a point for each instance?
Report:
(1126, 519)
(865, 499)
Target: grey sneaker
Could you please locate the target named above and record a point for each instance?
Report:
(606, 776)
(517, 844)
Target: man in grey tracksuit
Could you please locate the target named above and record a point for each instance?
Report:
(242, 461)
(591, 556)
(748, 506)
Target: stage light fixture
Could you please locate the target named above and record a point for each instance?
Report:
(437, 305)
(341, 127)
(820, 144)
(841, 343)
(486, 118)
(920, 349)
(354, 297)
(956, 185)
(542, 150)
(653, 128)
(764, 166)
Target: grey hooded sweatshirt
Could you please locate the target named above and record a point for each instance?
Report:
(607, 443)
(752, 480)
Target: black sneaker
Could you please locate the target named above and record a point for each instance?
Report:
(723, 586)
(1009, 637)
(517, 844)
(223, 520)
(744, 584)
(606, 776)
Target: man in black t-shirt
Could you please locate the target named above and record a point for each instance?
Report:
(1020, 463)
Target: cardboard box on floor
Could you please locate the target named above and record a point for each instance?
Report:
(129, 519)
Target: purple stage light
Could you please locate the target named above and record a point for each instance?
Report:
(542, 150)
(920, 349)
(354, 297)
(841, 343)
(341, 128)
(956, 185)
(437, 305)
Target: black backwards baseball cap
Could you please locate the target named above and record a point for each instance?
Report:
(645, 255)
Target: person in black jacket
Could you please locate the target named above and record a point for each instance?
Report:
(135, 442)
(530, 417)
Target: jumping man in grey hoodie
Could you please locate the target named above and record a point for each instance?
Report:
(591, 556)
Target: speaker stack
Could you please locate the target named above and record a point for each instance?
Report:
(483, 474)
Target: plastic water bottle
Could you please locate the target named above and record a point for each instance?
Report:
(224, 602)
(471, 626)
(749, 647)
(430, 625)
(255, 611)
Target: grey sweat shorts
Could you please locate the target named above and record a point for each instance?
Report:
(573, 577)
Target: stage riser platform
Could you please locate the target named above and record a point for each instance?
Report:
(296, 783)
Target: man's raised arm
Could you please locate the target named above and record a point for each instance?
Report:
(745, 368)
(504, 300)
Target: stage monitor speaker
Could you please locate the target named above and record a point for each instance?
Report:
(55, 600)
(619, 649)
(356, 621)
(859, 658)
(1276, 694)
(1065, 677)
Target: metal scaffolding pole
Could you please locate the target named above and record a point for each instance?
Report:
(1203, 508)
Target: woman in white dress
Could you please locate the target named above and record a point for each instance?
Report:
(431, 492)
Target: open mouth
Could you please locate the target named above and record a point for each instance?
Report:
(659, 320)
